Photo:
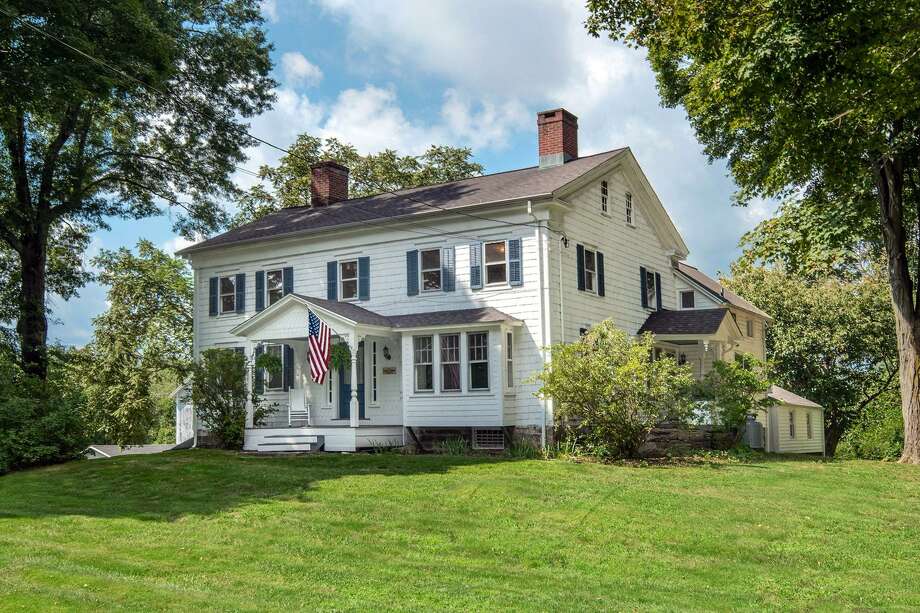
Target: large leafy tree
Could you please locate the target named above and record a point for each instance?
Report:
(831, 340)
(820, 99)
(288, 183)
(141, 344)
(158, 125)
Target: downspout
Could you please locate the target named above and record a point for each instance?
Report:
(543, 270)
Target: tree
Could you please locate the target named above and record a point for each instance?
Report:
(832, 339)
(157, 119)
(141, 343)
(817, 99)
(733, 390)
(607, 387)
(289, 181)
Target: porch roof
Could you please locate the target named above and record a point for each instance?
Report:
(691, 321)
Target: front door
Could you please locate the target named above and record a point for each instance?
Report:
(345, 387)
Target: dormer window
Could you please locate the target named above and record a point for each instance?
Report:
(629, 209)
(603, 196)
(687, 299)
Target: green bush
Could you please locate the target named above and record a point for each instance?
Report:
(609, 391)
(40, 422)
(220, 393)
(879, 435)
(733, 390)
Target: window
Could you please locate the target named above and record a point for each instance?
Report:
(329, 388)
(509, 360)
(374, 372)
(603, 196)
(791, 424)
(629, 209)
(808, 424)
(590, 271)
(651, 293)
(496, 263)
(687, 299)
(582, 331)
(275, 381)
(424, 376)
(273, 287)
(348, 272)
(227, 294)
(431, 269)
(478, 344)
(450, 362)
(750, 327)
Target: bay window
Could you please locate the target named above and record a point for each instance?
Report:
(423, 363)
(478, 353)
(450, 362)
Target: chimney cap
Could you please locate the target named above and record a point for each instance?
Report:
(328, 164)
(555, 114)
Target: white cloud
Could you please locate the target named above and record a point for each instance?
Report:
(178, 242)
(269, 9)
(298, 70)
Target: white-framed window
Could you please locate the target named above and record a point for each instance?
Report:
(629, 208)
(604, 194)
(808, 430)
(228, 294)
(687, 299)
(348, 279)
(478, 350)
(430, 269)
(590, 271)
(374, 372)
(750, 329)
(275, 381)
(496, 261)
(423, 363)
(791, 424)
(651, 291)
(509, 360)
(450, 362)
(274, 287)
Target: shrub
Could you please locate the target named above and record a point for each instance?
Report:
(733, 390)
(608, 388)
(879, 435)
(220, 394)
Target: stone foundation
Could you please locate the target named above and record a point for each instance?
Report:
(672, 438)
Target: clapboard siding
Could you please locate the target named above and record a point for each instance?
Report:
(801, 443)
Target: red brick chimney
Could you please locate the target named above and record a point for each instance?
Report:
(557, 131)
(329, 183)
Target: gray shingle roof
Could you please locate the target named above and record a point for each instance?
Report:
(787, 397)
(498, 187)
(357, 314)
(717, 290)
(691, 321)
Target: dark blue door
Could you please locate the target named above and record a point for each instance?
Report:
(345, 388)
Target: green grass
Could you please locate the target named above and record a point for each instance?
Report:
(206, 530)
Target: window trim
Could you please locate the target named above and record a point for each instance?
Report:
(458, 362)
(342, 280)
(605, 197)
(749, 327)
(266, 376)
(792, 425)
(651, 299)
(422, 270)
(630, 217)
(470, 361)
(486, 264)
(374, 397)
(692, 293)
(416, 364)
(593, 273)
(221, 294)
(280, 288)
(509, 360)
(808, 423)
(329, 390)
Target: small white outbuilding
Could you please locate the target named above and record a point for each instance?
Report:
(793, 425)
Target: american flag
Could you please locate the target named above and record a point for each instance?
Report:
(319, 341)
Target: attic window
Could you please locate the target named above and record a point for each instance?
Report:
(603, 196)
(629, 209)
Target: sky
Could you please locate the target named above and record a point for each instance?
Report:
(405, 75)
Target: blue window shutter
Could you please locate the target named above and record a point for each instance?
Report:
(259, 376)
(600, 273)
(287, 369)
(212, 296)
(580, 265)
(332, 281)
(476, 265)
(643, 289)
(515, 265)
(364, 278)
(287, 280)
(448, 269)
(260, 290)
(412, 272)
(241, 293)
(658, 290)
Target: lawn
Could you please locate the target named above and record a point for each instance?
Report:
(207, 530)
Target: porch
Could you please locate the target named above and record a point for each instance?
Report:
(326, 438)
(694, 337)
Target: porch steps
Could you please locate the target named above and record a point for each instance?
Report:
(291, 442)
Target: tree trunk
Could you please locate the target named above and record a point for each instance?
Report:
(33, 322)
(909, 370)
(832, 435)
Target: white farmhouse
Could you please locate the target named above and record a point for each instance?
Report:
(447, 294)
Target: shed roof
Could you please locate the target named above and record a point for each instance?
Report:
(787, 397)
(691, 321)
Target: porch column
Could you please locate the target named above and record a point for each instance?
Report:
(354, 412)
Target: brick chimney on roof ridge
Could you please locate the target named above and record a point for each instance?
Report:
(557, 131)
(328, 184)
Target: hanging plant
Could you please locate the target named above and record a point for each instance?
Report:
(340, 356)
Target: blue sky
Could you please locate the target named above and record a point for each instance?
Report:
(407, 74)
